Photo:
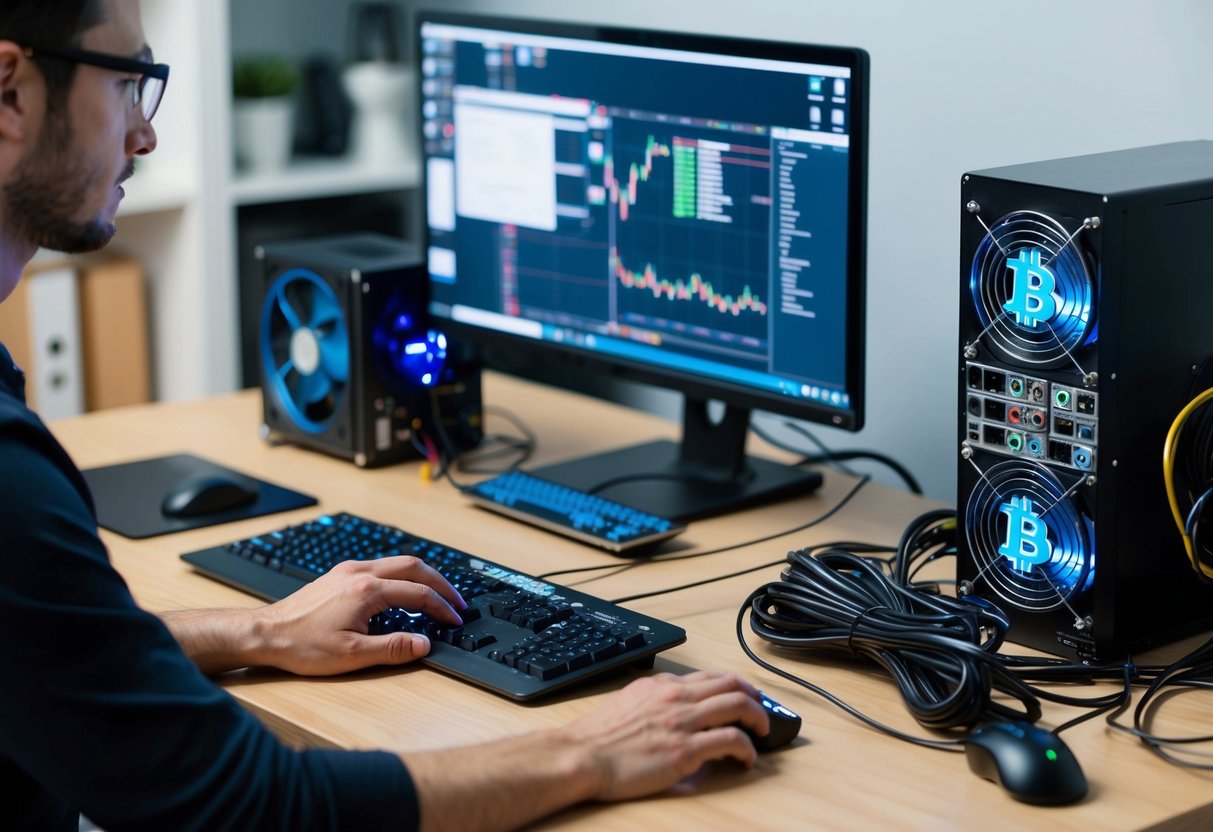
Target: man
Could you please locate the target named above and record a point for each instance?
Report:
(106, 707)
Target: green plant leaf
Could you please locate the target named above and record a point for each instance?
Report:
(263, 76)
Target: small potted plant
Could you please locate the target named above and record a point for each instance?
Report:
(263, 110)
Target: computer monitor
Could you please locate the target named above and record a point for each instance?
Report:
(684, 210)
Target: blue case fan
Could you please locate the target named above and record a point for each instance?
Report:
(1044, 330)
(305, 348)
(1032, 540)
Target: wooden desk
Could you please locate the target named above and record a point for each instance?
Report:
(838, 775)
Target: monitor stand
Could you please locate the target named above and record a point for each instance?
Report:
(709, 473)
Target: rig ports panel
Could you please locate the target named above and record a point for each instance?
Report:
(1023, 416)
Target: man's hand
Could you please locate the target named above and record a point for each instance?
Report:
(660, 729)
(644, 739)
(321, 629)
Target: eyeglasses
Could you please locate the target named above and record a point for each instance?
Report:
(146, 94)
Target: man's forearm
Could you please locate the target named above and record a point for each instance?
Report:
(217, 640)
(504, 784)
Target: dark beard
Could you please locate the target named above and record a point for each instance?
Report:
(44, 192)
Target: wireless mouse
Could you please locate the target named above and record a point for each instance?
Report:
(785, 726)
(207, 494)
(1032, 764)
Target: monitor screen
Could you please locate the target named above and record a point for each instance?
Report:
(685, 210)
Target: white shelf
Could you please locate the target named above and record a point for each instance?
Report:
(147, 195)
(313, 177)
(182, 204)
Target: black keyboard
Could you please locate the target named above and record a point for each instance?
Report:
(578, 514)
(521, 637)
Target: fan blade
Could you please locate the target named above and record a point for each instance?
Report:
(325, 313)
(293, 382)
(314, 388)
(283, 369)
(293, 319)
(335, 354)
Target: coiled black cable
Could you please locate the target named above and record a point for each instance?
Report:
(940, 651)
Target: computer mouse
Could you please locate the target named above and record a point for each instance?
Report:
(207, 494)
(785, 725)
(1034, 765)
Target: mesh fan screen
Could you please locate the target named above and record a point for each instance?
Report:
(1032, 547)
(1033, 290)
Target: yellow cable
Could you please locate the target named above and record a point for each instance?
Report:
(1168, 473)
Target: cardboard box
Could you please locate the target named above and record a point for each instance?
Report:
(114, 330)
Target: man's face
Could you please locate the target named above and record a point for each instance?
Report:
(65, 193)
(48, 193)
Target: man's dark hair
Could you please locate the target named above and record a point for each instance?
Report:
(50, 25)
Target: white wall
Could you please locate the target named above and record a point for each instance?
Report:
(957, 85)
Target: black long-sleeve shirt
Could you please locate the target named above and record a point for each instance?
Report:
(103, 713)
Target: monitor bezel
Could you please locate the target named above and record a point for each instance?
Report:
(694, 386)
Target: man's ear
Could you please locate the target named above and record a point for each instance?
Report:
(20, 86)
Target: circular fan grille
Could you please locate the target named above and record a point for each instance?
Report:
(1033, 290)
(305, 353)
(1033, 548)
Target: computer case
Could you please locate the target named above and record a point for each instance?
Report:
(349, 363)
(1086, 307)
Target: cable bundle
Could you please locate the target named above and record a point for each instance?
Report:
(1188, 473)
(944, 653)
(940, 651)
(1193, 671)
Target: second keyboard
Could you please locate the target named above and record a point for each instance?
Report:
(578, 514)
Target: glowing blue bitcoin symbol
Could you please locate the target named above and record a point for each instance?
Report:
(1032, 285)
(1027, 541)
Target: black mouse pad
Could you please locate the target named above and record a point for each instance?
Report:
(128, 496)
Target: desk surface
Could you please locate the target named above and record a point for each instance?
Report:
(838, 775)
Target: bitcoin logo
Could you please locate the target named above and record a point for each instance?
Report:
(1027, 542)
(1032, 286)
